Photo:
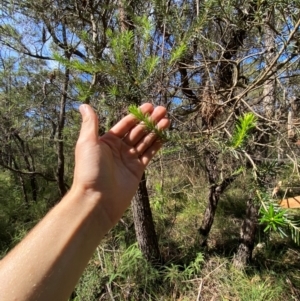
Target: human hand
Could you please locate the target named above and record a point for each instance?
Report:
(111, 166)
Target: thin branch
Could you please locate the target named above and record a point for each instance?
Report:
(272, 64)
(29, 173)
(37, 56)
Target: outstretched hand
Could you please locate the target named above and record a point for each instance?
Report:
(112, 165)
(107, 172)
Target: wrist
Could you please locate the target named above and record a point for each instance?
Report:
(89, 206)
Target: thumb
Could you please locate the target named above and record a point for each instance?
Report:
(89, 126)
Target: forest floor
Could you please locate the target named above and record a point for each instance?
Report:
(190, 271)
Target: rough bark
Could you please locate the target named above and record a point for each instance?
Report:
(60, 171)
(248, 230)
(270, 84)
(247, 236)
(29, 162)
(215, 191)
(225, 79)
(143, 223)
(142, 215)
(22, 182)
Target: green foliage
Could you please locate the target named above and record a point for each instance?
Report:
(177, 273)
(147, 122)
(276, 219)
(178, 53)
(78, 65)
(242, 129)
(144, 28)
(124, 269)
(150, 64)
(252, 287)
(294, 227)
(122, 44)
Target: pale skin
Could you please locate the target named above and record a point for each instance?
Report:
(47, 264)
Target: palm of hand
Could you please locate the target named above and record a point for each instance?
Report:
(112, 165)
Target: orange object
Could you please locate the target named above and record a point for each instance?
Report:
(293, 202)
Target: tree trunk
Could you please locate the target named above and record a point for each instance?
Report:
(22, 182)
(142, 215)
(248, 231)
(60, 171)
(29, 162)
(143, 224)
(269, 98)
(209, 213)
(225, 78)
(215, 191)
(291, 114)
(247, 236)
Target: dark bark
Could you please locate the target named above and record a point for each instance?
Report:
(224, 80)
(247, 236)
(143, 223)
(248, 231)
(60, 171)
(210, 211)
(215, 192)
(22, 183)
(29, 162)
(142, 215)
(27, 52)
(232, 45)
(185, 85)
(28, 173)
(62, 44)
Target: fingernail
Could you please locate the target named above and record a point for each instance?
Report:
(83, 109)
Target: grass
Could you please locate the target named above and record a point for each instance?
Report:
(190, 272)
(213, 278)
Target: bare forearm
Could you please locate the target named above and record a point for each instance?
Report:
(47, 264)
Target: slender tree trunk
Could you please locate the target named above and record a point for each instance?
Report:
(270, 85)
(142, 215)
(248, 230)
(247, 236)
(21, 182)
(290, 125)
(215, 192)
(225, 79)
(143, 223)
(29, 162)
(60, 171)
